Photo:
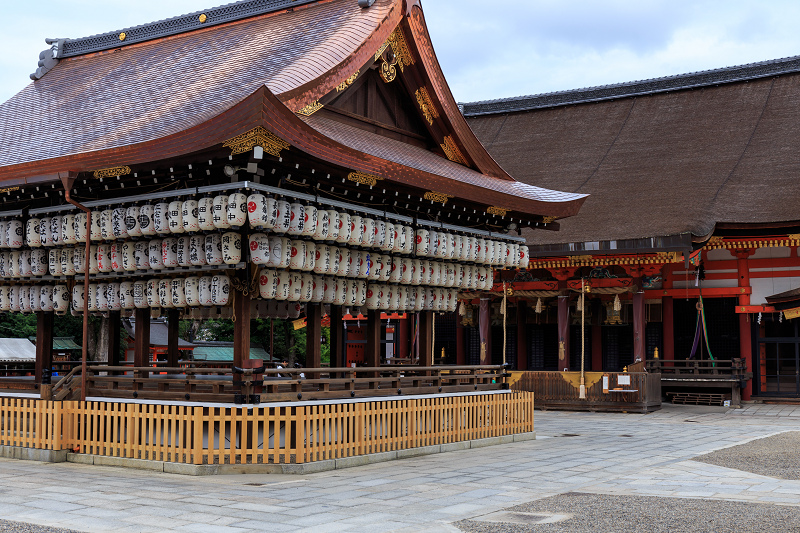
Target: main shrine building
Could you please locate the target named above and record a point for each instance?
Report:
(689, 237)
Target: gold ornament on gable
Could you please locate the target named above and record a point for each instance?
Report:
(259, 136)
(111, 172)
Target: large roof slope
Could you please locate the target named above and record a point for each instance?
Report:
(146, 91)
(662, 163)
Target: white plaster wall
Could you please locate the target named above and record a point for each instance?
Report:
(763, 287)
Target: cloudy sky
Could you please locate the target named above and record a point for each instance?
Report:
(488, 49)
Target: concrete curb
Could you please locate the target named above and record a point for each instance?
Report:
(51, 456)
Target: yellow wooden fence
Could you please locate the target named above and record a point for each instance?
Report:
(198, 434)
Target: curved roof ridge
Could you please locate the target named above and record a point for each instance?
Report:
(676, 82)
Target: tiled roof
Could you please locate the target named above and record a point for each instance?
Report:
(670, 163)
(705, 78)
(138, 93)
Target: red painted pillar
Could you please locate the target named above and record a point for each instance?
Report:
(563, 332)
(668, 323)
(745, 337)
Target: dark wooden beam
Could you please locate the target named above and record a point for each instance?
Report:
(44, 343)
(522, 335)
(313, 337)
(173, 324)
(141, 341)
(426, 338)
(241, 328)
(338, 359)
(113, 338)
(374, 326)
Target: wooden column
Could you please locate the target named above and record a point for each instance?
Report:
(113, 338)
(44, 343)
(173, 324)
(485, 331)
(668, 324)
(426, 338)
(461, 348)
(141, 342)
(563, 332)
(337, 337)
(373, 348)
(522, 335)
(313, 336)
(597, 335)
(241, 328)
(638, 324)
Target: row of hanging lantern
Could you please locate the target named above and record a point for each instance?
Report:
(279, 216)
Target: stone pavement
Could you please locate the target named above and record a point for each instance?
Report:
(613, 454)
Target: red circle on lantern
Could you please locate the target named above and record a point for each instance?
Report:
(251, 207)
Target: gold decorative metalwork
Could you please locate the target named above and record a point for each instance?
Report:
(606, 261)
(202, 18)
(363, 178)
(348, 82)
(111, 172)
(548, 220)
(9, 189)
(122, 36)
(498, 211)
(310, 109)
(452, 152)
(426, 105)
(258, 136)
(777, 242)
(401, 55)
(437, 197)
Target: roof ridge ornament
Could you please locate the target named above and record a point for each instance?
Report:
(401, 55)
(363, 4)
(258, 136)
(111, 172)
(49, 58)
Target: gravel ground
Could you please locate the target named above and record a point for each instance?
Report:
(637, 514)
(777, 456)
(22, 527)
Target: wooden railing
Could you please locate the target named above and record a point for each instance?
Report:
(732, 369)
(259, 435)
(271, 385)
(561, 390)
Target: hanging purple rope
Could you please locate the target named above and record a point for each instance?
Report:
(696, 338)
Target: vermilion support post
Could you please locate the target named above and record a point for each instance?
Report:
(426, 338)
(522, 336)
(745, 333)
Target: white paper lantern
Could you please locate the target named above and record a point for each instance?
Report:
(283, 217)
(386, 296)
(267, 284)
(341, 292)
(368, 232)
(177, 292)
(373, 299)
(336, 260)
(479, 255)
(169, 252)
(344, 228)
(205, 291)
(310, 220)
(13, 296)
(191, 290)
(175, 216)
(113, 297)
(231, 248)
(61, 298)
(259, 248)
(3, 234)
(119, 227)
(306, 287)
(451, 250)
(386, 267)
(24, 269)
(423, 243)
(345, 262)
(435, 274)
(164, 293)
(5, 301)
(45, 234)
(205, 214)
(68, 229)
(146, 224)
(334, 225)
(130, 220)
(140, 294)
(104, 257)
(297, 255)
(329, 289)
(126, 300)
(361, 292)
(283, 285)
(406, 270)
(91, 297)
(67, 259)
(155, 254)
(295, 310)
(322, 259)
(449, 279)
(5, 267)
(189, 213)
(16, 233)
(34, 299)
(220, 212)
(323, 225)
(13, 264)
(311, 256)
(39, 263)
(388, 243)
(256, 210)
(236, 209)
(220, 289)
(318, 289)
(356, 263)
(394, 298)
(416, 272)
(356, 231)
(395, 270)
(32, 236)
(213, 248)
(524, 257)
(115, 256)
(184, 247)
(161, 218)
(295, 286)
(197, 253)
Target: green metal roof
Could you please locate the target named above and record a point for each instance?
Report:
(225, 353)
(61, 344)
